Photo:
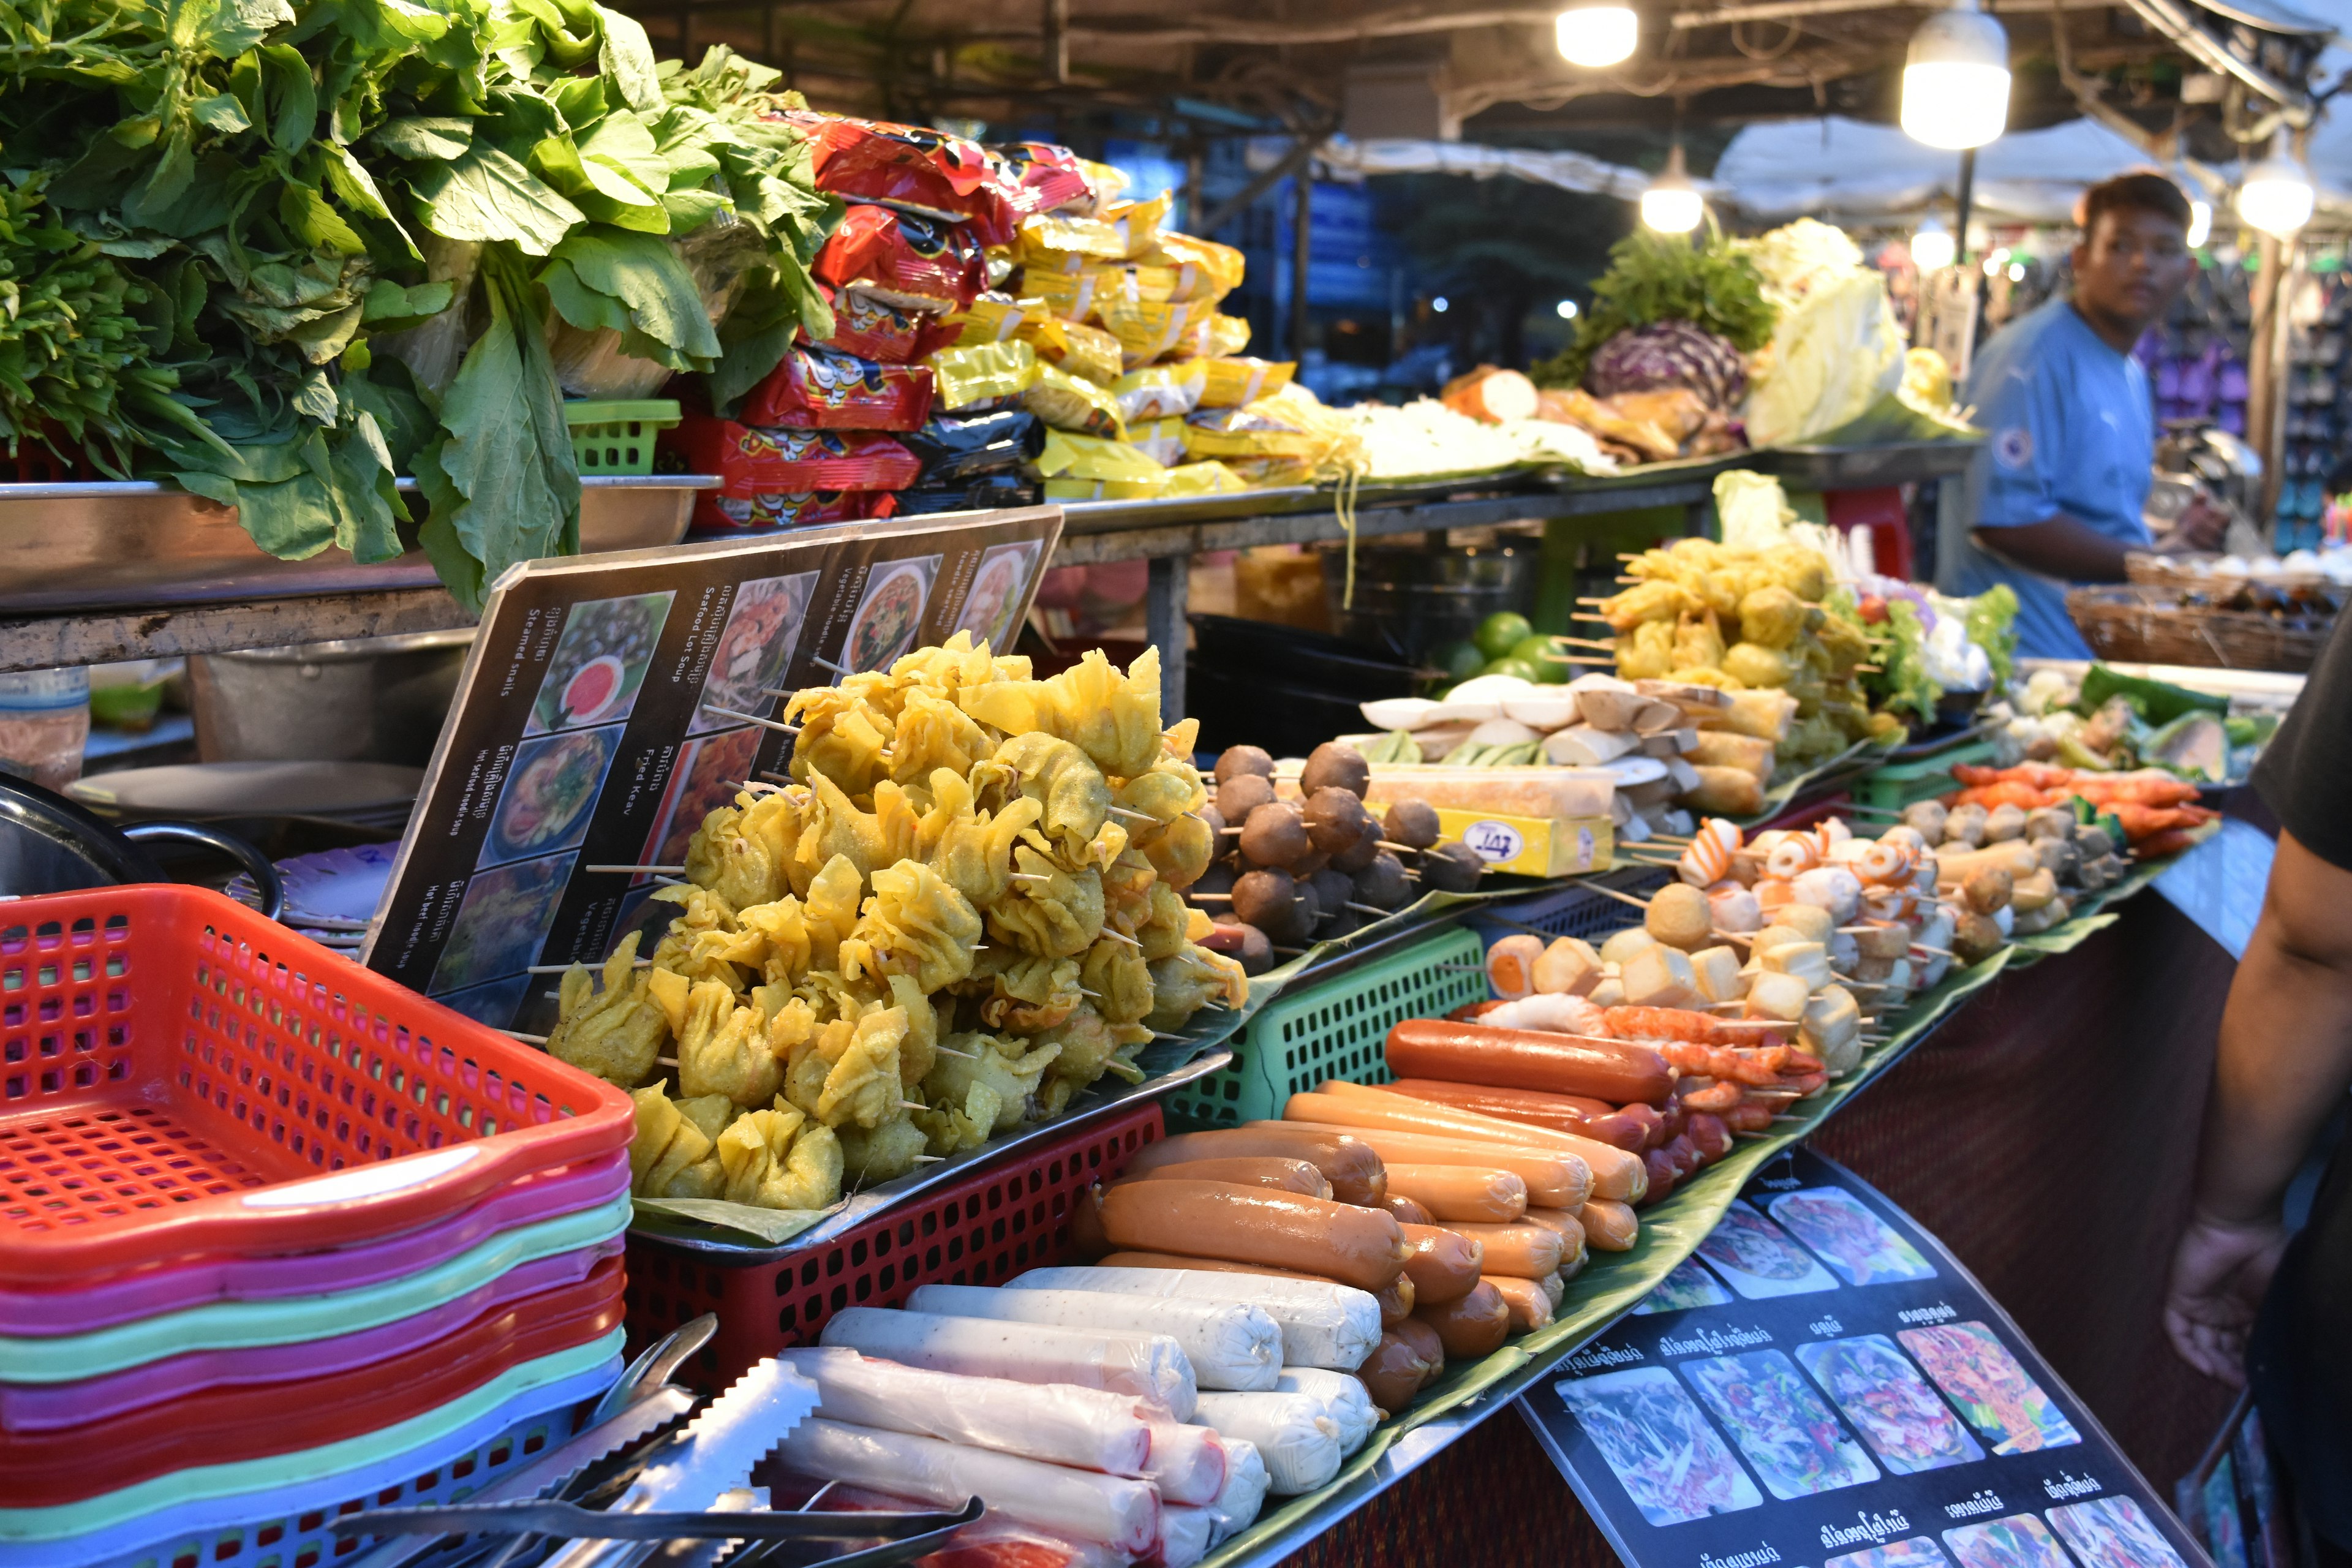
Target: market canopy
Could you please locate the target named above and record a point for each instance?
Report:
(1846, 171)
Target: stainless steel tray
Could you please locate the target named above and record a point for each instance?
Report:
(137, 542)
(1866, 467)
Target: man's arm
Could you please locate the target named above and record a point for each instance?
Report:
(2284, 1064)
(2057, 546)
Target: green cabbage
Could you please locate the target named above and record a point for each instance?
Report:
(1831, 357)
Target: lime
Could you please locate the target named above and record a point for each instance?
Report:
(1501, 632)
(1540, 651)
(1459, 660)
(1519, 667)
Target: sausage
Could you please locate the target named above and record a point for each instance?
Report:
(1615, 1173)
(1443, 1265)
(1462, 1191)
(1555, 1178)
(1709, 1135)
(1351, 1168)
(1359, 1247)
(1201, 1264)
(1473, 1326)
(1424, 1341)
(1407, 1212)
(1527, 1303)
(1393, 1373)
(1271, 1171)
(1522, 1251)
(1609, 1226)
(1662, 1175)
(1396, 1302)
(1564, 1223)
(1614, 1070)
(1685, 1154)
(1561, 1112)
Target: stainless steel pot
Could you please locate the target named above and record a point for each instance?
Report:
(362, 699)
(49, 845)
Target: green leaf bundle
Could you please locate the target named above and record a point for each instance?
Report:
(1656, 277)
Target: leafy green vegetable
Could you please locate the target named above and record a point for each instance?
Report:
(1903, 664)
(2159, 701)
(1991, 624)
(1656, 277)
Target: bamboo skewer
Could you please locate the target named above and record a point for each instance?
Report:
(526, 1040)
(775, 724)
(633, 870)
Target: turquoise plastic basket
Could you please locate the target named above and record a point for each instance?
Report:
(1334, 1028)
(618, 438)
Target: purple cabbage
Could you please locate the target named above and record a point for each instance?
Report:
(1670, 353)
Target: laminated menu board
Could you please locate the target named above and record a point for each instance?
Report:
(611, 701)
(1823, 1386)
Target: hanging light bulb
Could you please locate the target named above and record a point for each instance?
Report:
(1932, 247)
(2276, 196)
(1672, 204)
(2200, 223)
(1595, 36)
(1956, 79)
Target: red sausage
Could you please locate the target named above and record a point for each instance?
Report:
(1425, 1344)
(1616, 1071)
(1473, 1326)
(1594, 1119)
(1685, 1154)
(1444, 1267)
(1661, 1167)
(1709, 1135)
(1407, 1212)
(1395, 1372)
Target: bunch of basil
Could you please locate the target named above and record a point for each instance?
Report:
(283, 250)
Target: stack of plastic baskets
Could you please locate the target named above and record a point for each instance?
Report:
(279, 1239)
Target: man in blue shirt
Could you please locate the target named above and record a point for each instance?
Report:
(2054, 499)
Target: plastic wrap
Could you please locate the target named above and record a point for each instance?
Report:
(1058, 1423)
(717, 254)
(1344, 1399)
(1077, 1503)
(1149, 1366)
(1187, 1463)
(873, 329)
(971, 375)
(1244, 1494)
(722, 515)
(989, 492)
(1184, 1535)
(433, 351)
(915, 263)
(1231, 1345)
(1299, 1444)
(783, 462)
(1232, 382)
(816, 389)
(952, 448)
(1323, 1324)
(924, 171)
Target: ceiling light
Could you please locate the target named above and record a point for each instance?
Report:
(1672, 204)
(1933, 248)
(2200, 223)
(1440, 304)
(2017, 272)
(2276, 196)
(1567, 310)
(1956, 79)
(1595, 36)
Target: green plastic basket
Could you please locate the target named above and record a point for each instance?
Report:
(1334, 1028)
(617, 437)
(1898, 784)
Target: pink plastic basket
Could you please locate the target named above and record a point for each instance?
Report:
(181, 1077)
(79, 1307)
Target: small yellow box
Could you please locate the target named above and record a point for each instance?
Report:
(1533, 845)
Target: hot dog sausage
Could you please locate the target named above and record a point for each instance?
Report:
(1462, 1191)
(1615, 1173)
(1352, 1169)
(1555, 1178)
(1393, 1373)
(1528, 1303)
(1473, 1326)
(1562, 1112)
(1568, 1228)
(1201, 1265)
(1444, 1266)
(1614, 1070)
(1609, 1226)
(1272, 1171)
(1660, 1166)
(1522, 1251)
(1359, 1247)
(1407, 1212)
(1709, 1135)
(1426, 1345)
(1396, 1302)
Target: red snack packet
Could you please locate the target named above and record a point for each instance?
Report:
(914, 263)
(775, 462)
(864, 326)
(920, 170)
(816, 389)
(1040, 177)
(722, 515)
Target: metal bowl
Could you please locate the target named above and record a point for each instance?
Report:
(361, 700)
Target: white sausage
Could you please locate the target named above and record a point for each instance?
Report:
(1058, 1422)
(1299, 1444)
(1344, 1399)
(1149, 1366)
(1322, 1324)
(1188, 1464)
(1244, 1493)
(1231, 1345)
(1184, 1534)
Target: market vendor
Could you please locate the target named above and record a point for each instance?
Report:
(2056, 497)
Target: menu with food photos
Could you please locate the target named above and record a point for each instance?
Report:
(1823, 1386)
(611, 703)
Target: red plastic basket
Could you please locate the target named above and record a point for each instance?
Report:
(999, 1221)
(228, 1425)
(180, 1075)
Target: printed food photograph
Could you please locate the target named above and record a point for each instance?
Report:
(1917, 1553)
(1790, 1438)
(2114, 1532)
(600, 662)
(890, 615)
(495, 1003)
(1841, 1230)
(1660, 1448)
(2019, 1541)
(1690, 1285)
(707, 776)
(501, 923)
(1883, 1395)
(1985, 1382)
(763, 630)
(550, 793)
(1757, 1259)
(997, 586)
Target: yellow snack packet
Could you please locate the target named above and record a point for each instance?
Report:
(1081, 350)
(1213, 337)
(1232, 381)
(1137, 282)
(1148, 332)
(1208, 477)
(1164, 438)
(1055, 242)
(1069, 295)
(1083, 463)
(1067, 402)
(976, 372)
(995, 318)
(1269, 473)
(1109, 183)
(1205, 270)
(1158, 390)
(1138, 222)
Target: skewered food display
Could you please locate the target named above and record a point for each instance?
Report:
(964, 909)
(2150, 809)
